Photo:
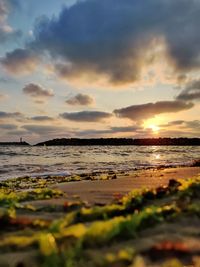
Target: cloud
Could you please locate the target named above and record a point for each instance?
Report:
(194, 125)
(39, 101)
(42, 118)
(3, 80)
(177, 134)
(86, 116)
(41, 129)
(181, 128)
(8, 126)
(17, 133)
(95, 39)
(80, 99)
(190, 92)
(149, 110)
(7, 80)
(111, 131)
(8, 115)
(7, 33)
(182, 124)
(173, 123)
(37, 91)
(3, 97)
(125, 129)
(19, 61)
(11, 4)
(113, 40)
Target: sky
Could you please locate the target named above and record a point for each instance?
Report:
(99, 68)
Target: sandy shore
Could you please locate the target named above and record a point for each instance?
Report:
(101, 192)
(38, 225)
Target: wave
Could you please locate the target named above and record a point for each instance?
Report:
(75, 160)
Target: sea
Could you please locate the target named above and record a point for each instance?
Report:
(20, 161)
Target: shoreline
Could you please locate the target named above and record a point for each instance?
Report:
(101, 188)
(66, 173)
(104, 191)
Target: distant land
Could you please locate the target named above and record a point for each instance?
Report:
(122, 142)
(14, 144)
(112, 142)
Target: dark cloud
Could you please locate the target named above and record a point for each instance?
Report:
(19, 61)
(8, 126)
(112, 38)
(80, 99)
(149, 110)
(8, 115)
(37, 91)
(42, 118)
(190, 92)
(86, 116)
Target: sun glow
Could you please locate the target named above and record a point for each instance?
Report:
(153, 125)
(155, 129)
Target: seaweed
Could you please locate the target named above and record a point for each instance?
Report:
(67, 240)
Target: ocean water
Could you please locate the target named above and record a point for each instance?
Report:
(37, 161)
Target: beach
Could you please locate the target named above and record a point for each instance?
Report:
(104, 191)
(43, 221)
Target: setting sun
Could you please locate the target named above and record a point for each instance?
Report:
(152, 125)
(154, 128)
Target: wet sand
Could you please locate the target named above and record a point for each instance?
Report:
(104, 191)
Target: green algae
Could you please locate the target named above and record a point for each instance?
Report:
(12, 198)
(22, 183)
(63, 242)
